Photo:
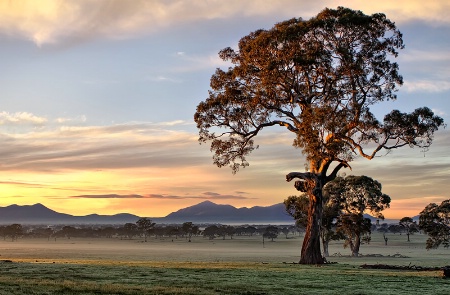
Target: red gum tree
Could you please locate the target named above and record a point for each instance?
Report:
(317, 79)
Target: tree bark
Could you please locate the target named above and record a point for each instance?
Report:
(356, 245)
(325, 248)
(311, 253)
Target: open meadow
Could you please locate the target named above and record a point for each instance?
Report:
(242, 265)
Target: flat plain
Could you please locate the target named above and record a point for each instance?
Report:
(242, 265)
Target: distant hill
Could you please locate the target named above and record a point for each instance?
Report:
(39, 214)
(205, 212)
(209, 212)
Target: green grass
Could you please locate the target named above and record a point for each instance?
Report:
(238, 266)
(211, 278)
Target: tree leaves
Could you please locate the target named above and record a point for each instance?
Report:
(435, 221)
(316, 78)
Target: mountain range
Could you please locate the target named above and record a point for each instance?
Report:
(204, 212)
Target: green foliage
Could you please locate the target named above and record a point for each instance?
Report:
(435, 221)
(355, 195)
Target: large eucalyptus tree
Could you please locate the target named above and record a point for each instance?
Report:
(317, 79)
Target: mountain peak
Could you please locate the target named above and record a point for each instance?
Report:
(207, 202)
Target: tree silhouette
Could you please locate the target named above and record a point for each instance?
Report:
(356, 195)
(435, 221)
(409, 226)
(145, 225)
(270, 232)
(317, 79)
(190, 229)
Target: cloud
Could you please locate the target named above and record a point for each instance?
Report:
(108, 196)
(120, 146)
(53, 21)
(433, 86)
(19, 118)
(433, 12)
(204, 196)
(25, 184)
(79, 119)
(163, 79)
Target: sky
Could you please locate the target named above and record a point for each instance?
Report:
(97, 99)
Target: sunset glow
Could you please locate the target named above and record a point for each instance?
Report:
(97, 102)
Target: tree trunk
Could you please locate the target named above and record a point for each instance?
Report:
(356, 245)
(325, 248)
(311, 253)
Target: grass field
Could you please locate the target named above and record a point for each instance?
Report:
(239, 266)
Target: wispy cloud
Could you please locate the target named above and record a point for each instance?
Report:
(108, 196)
(131, 145)
(204, 196)
(65, 120)
(25, 184)
(426, 86)
(52, 21)
(163, 79)
(19, 118)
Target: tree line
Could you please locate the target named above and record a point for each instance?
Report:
(144, 228)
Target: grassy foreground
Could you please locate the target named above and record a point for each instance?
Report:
(240, 266)
(112, 277)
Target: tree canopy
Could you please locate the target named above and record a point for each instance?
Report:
(355, 196)
(358, 194)
(435, 221)
(317, 79)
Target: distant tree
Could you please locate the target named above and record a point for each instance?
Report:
(395, 228)
(270, 232)
(316, 79)
(409, 226)
(230, 231)
(14, 231)
(48, 232)
(108, 232)
(41, 232)
(190, 229)
(250, 230)
(67, 231)
(385, 239)
(356, 195)
(285, 230)
(3, 232)
(211, 231)
(145, 225)
(173, 231)
(435, 221)
(130, 230)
